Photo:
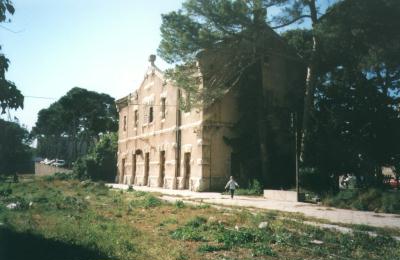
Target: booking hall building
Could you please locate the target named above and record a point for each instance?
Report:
(160, 145)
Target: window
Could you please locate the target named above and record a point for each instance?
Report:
(124, 123)
(163, 108)
(136, 117)
(151, 114)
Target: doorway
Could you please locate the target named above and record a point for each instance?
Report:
(162, 169)
(133, 169)
(121, 180)
(146, 168)
(186, 164)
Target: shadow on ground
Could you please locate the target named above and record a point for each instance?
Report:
(27, 246)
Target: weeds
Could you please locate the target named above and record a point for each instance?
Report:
(179, 204)
(138, 225)
(145, 200)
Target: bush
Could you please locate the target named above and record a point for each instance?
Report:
(365, 199)
(190, 231)
(150, 201)
(254, 189)
(179, 204)
(69, 202)
(100, 163)
(5, 191)
(145, 200)
(63, 176)
(196, 222)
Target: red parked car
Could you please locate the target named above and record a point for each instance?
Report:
(394, 183)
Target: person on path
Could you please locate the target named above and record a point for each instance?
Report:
(232, 184)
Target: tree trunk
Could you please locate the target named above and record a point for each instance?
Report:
(259, 23)
(262, 129)
(310, 84)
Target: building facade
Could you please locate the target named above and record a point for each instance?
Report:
(159, 145)
(162, 146)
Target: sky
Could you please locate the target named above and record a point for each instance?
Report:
(94, 44)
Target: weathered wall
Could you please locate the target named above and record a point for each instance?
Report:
(202, 130)
(43, 169)
(157, 137)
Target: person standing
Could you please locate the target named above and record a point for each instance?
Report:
(232, 184)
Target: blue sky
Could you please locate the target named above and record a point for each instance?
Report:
(95, 44)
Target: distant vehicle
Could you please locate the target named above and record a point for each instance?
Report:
(58, 163)
(50, 162)
(46, 161)
(394, 183)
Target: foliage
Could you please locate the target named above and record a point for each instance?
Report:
(15, 153)
(14, 150)
(100, 163)
(313, 180)
(180, 204)
(365, 199)
(254, 189)
(236, 38)
(71, 125)
(356, 102)
(10, 96)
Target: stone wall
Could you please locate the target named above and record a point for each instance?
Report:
(43, 169)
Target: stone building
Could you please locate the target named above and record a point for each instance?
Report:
(161, 146)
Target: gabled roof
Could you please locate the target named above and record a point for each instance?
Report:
(151, 69)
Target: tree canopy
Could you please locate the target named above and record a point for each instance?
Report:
(357, 96)
(10, 96)
(242, 33)
(69, 126)
(351, 100)
(15, 153)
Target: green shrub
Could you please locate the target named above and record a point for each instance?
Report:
(146, 200)
(100, 163)
(196, 222)
(203, 248)
(365, 199)
(262, 250)
(63, 176)
(254, 189)
(70, 202)
(188, 233)
(151, 201)
(242, 236)
(5, 191)
(139, 193)
(191, 230)
(179, 204)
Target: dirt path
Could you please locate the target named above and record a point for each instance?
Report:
(310, 210)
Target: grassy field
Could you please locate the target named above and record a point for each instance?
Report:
(59, 219)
